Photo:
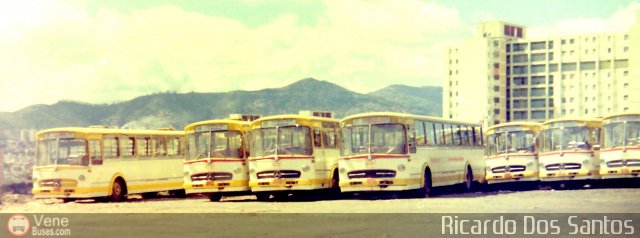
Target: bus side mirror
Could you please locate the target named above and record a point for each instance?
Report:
(412, 149)
(596, 147)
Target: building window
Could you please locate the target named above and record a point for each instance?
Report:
(626, 49)
(609, 50)
(625, 73)
(571, 41)
(563, 41)
(626, 37)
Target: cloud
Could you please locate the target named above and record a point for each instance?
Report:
(65, 52)
(620, 21)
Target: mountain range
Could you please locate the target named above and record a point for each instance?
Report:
(179, 109)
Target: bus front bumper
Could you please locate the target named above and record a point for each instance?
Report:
(624, 172)
(216, 186)
(379, 184)
(74, 192)
(493, 178)
(265, 185)
(560, 175)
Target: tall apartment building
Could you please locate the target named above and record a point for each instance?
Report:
(500, 75)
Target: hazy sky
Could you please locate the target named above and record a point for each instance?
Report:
(102, 51)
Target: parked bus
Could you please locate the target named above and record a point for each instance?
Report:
(385, 151)
(570, 150)
(293, 153)
(216, 158)
(621, 152)
(97, 163)
(512, 152)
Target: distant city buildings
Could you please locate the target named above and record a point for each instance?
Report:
(500, 75)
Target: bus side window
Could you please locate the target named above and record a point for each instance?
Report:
(143, 146)
(473, 134)
(317, 138)
(430, 133)
(465, 135)
(457, 135)
(111, 147)
(440, 134)
(420, 134)
(158, 145)
(95, 152)
(128, 147)
(448, 135)
(173, 146)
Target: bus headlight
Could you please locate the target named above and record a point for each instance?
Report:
(186, 173)
(305, 167)
(540, 165)
(585, 162)
(251, 170)
(342, 170)
(530, 164)
(81, 178)
(34, 179)
(237, 170)
(401, 167)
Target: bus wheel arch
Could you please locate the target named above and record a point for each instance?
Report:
(468, 179)
(427, 183)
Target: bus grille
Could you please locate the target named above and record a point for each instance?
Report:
(509, 168)
(279, 174)
(621, 163)
(211, 176)
(379, 173)
(566, 166)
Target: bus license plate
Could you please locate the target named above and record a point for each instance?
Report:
(624, 171)
(371, 181)
(210, 183)
(507, 175)
(562, 173)
(56, 189)
(370, 163)
(277, 181)
(275, 164)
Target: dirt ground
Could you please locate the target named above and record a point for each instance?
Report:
(603, 200)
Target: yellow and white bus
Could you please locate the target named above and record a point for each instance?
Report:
(512, 153)
(293, 153)
(570, 149)
(386, 151)
(621, 152)
(74, 163)
(216, 158)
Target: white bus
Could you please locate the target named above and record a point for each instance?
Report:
(387, 151)
(293, 153)
(74, 163)
(570, 150)
(512, 152)
(621, 152)
(216, 158)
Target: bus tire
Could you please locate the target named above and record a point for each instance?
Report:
(118, 191)
(427, 187)
(215, 197)
(66, 200)
(468, 180)
(334, 187)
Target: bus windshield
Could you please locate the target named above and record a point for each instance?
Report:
(62, 152)
(557, 139)
(287, 140)
(511, 142)
(215, 144)
(381, 139)
(619, 134)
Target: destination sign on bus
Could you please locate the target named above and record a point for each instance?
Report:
(58, 135)
(280, 122)
(507, 128)
(212, 127)
(371, 120)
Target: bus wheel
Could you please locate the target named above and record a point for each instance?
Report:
(468, 180)
(66, 200)
(215, 197)
(427, 189)
(334, 189)
(118, 191)
(149, 195)
(262, 196)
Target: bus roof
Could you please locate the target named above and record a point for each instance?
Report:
(88, 130)
(405, 115)
(191, 126)
(527, 124)
(635, 113)
(578, 119)
(295, 116)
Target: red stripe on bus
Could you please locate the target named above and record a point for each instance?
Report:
(213, 161)
(455, 158)
(567, 152)
(620, 148)
(377, 157)
(282, 157)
